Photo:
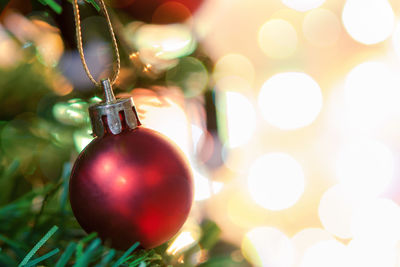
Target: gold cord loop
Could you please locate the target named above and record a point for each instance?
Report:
(79, 41)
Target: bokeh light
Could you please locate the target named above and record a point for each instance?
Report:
(368, 21)
(277, 38)
(204, 188)
(267, 246)
(370, 96)
(365, 167)
(190, 75)
(240, 112)
(276, 181)
(234, 65)
(396, 39)
(337, 203)
(303, 5)
(307, 238)
(378, 221)
(290, 100)
(369, 253)
(329, 253)
(321, 27)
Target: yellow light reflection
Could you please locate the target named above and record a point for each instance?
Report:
(330, 253)
(240, 112)
(267, 246)
(365, 167)
(321, 27)
(277, 38)
(306, 238)
(276, 181)
(303, 5)
(182, 241)
(337, 203)
(290, 100)
(368, 21)
(371, 95)
(378, 221)
(234, 65)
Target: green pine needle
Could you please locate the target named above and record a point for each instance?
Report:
(84, 259)
(53, 5)
(125, 255)
(66, 255)
(42, 258)
(38, 245)
(107, 258)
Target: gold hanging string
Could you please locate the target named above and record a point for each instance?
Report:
(79, 41)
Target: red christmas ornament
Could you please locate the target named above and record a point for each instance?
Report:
(159, 11)
(130, 183)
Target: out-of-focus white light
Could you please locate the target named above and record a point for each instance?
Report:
(377, 221)
(368, 21)
(241, 119)
(369, 253)
(182, 241)
(277, 38)
(290, 100)
(234, 65)
(158, 118)
(302, 5)
(365, 167)
(337, 203)
(396, 39)
(267, 246)
(321, 27)
(371, 94)
(203, 187)
(276, 181)
(307, 238)
(330, 253)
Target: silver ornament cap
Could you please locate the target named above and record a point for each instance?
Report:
(113, 114)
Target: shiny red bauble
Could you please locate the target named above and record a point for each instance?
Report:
(158, 11)
(133, 186)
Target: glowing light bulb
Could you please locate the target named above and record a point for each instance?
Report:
(276, 181)
(368, 21)
(290, 100)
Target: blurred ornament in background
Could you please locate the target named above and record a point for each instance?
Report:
(159, 46)
(158, 11)
(190, 75)
(73, 112)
